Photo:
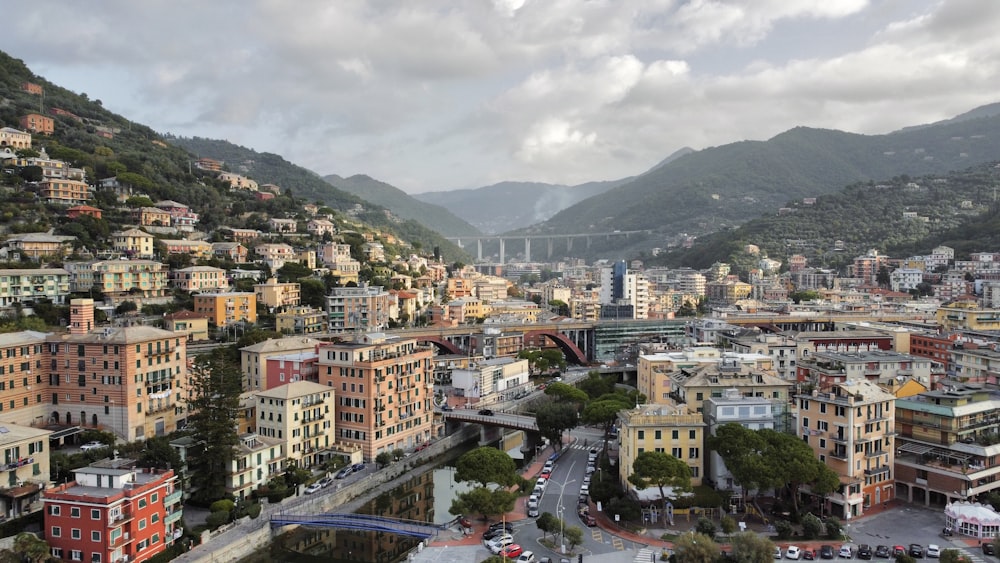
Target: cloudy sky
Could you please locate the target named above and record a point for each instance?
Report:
(432, 95)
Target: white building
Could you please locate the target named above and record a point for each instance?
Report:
(753, 413)
(493, 380)
(905, 279)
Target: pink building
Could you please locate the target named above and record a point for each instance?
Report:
(288, 368)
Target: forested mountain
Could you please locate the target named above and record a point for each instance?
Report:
(403, 204)
(720, 187)
(901, 216)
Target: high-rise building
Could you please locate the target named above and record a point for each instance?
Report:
(623, 289)
(364, 308)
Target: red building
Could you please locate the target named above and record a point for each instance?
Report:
(78, 210)
(287, 368)
(934, 346)
(113, 512)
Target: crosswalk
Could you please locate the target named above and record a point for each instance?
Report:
(578, 446)
(645, 555)
(975, 556)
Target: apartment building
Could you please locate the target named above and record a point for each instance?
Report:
(288, 368)
(227, 308)
(693, 386)
(119, 279)
(192, 325)
(384, 387)
(253, 359)
(24, 472)
(492, 380)
(257, 460)
(10, 137)
(885, 367)
(671, 429)
(752, 413)
(38, 123)
(851, 427)
(35, 246)
(24, 372)
(967, 315)
(945, 446)
(301, 416)
(230, 251)
(275, 255)
(23, 286)
(238, 182)
(655, 370)
(276, 294)
(133, 243)
(363, 308)
(782, 348)
(113, 511)
(128, 380)
(320, 227)
(64, 191)
(199, 278)
(151, 217)
(301, 320)
(196, 248)
(282, 225)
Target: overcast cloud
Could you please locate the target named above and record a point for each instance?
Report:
(436, 95)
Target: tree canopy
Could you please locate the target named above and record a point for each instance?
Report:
(695, 548)
(215, 404)
(487, 465)
(660, 469)
(555, 418)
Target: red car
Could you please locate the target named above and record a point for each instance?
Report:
(511, 551)
(545, 474)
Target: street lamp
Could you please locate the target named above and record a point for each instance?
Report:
(561, 510)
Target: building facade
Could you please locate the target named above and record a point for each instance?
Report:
(301, 416)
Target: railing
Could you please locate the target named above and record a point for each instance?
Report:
(173, 517)
(121, 540)
(121, 518)
(173, 498)
(838, 454)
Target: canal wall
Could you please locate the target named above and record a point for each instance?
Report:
(247, 536)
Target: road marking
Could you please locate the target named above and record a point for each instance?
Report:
(596, 534)
(617, 543)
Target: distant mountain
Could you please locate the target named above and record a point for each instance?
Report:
(403, 204)
(900, 217)
(721, 187)
(513, 205)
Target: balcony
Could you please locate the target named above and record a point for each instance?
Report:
(173, 498)
(121, 518)
(121, 540)
(173, 517)
(838, 437)
(838, 454)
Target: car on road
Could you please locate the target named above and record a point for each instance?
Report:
(933, 551)
(586, 518)
(358, 467)
(546, 473)
(846, 551)
(777, 552)
(486, 412)
(916, 551)
(526, 557)
(446, 407)
(95, 445)
(533, 512)
(826, 552)
(989, 548)
(883, 552)
(864, 551)
(793, 552)
(344, 472)
(314, 488)
(511, 551)
(325, 482)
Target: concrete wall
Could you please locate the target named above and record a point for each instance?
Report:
(247, 536)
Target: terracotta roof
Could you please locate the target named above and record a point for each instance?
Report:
(183, 315)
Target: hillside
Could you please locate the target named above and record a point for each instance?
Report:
(506, 206)
(403, 205)
(901, 217)
(721, 187)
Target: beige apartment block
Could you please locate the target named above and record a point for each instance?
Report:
(671, 429)
(253, 359)
(301, 416)
(276, 294)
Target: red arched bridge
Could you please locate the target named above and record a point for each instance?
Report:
(573, 353)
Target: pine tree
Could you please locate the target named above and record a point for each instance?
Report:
(215, 408)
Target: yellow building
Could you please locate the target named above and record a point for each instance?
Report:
(193, 325)
(224, 309)
(151, 217)
(851, 428)
(36, 246)
(967, 315)
(301, 320)
(300, 415)
(693, 386)
(515, 310)
(661, 428)
(658, 373)
(133, 243)
(275, 294)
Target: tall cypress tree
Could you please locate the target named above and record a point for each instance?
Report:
(215, 409)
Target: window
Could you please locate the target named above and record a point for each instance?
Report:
(56, 531)
(75, 533)
(95, 514)
(692, 434)
(95, 536)
(142, 503)
(658, 436)
(642, 434)
(54, 510)
(95, 557)
(675, 434)
(677, 452)
(693, 453)
(142, 524)
(153, 498)
(76, 555)
(74, 512)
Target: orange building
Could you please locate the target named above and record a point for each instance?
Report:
(113, 511)
(78, 210)
(32, 88)
(67, 192)
(38, 123)
(224, 309)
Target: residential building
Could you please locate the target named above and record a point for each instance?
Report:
(238, 182)
(196, 248)
(905, 279)
(655, 371)
(24, 372)
(257, 460)
(127, 380)
(867, 266)
(181, 216)
(782, 348)
(200, 278)
(230, 251)
(241, 235)
(278, 225)
(289, 368)
(363, 308)
(936, 347)
(226, 308)
(32, 88)
(37, 123)
(301, 320)
(320, 227)
(693, 386)
(851, 427)
(728, 290)
(52, 169)
(14, 138)
(274, 255)
(24, 473)
(373, 251)
(78, 211)
(884, 367)
(945, 449)
(384, 387)
(278, 295)
(113, 511)
(253, 359)
(193, 325)
(752, 413)
(492, 380)
(301, 415)
(209, 164)
(508, 310)
(151, 217)
(972, 363)
(119, 279)
(36, 246)
(670, 429)
(966, 315)
(22, 286)
(64, 191)
(623, 287)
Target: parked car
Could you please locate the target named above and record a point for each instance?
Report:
(898, 550)
(93, 446)
(826, 552)
(846, 551)
(497, 544)
(501, 526)
(916, 551)
(883, 552)
(344, 472)
(314, 488)
(511, 551)
(989, 548)
(793, 552)
(864, 551)
(933, 551)
(486, 412)
(587, 519)
(777, 552)
(585, 490)
(325, 482)
(526, 557)
(809, 554)
(533, 512)
(490, 535)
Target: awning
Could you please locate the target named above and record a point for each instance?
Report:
(59, 432)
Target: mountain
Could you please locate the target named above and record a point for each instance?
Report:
(273, 169)
(721, 187)
(513, 205)
(403, 205)
(900, 217)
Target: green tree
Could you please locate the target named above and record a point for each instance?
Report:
(482, 500)
(695, 548)
(564, 392)
(215, 382)
(749, 547)
(783, 528)
(313, 292)
(833, 528)
(706, 527)
(743, 452)
(383, 459)
(292, 271)
(660, 469)
(727, 524)
(882, 278)
(157, 452)
(603, 412)
(547, 523)
(555, 418)
(953, 556)
(487, 465)
(812, 526)
(573, 536)
(596, 385)
(559, 307)
(32, 547)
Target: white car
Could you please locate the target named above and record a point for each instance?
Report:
(496, 545)
(526, 557)
(846, 551)
(314, 488)
(793, 552)
(585, 490)
(933, 551)
(93, 446)
(777, 552)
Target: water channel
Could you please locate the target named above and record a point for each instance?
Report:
(426, 497)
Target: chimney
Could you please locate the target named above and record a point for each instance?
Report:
(81, 316)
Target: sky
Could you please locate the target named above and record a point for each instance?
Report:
(435, 95)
